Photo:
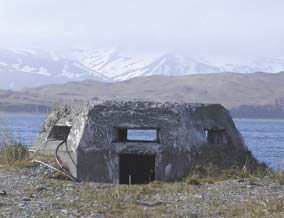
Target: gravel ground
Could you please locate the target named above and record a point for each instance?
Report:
(32, 192)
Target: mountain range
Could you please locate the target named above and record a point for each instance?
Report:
(23, 68)
(246, 95)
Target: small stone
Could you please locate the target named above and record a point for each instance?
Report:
(64, 211)
(26, 199)
(57, 206)
(41, 189)
(198, 196)
(32, 196)
(21, 205)
(69, 187)
(3, 193)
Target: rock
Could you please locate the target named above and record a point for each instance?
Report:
(149, 204)
(32, 196)
(3, 193)
(26, 199)
(41, 189)
(57, 206)
(22, 205)
(198, 196)
(69, 187)
(64, 211)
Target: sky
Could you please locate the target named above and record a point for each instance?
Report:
(228, 27)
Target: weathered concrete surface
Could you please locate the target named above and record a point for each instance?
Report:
(92, 154)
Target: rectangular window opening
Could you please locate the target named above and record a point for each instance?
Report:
(136, 135)
(59, 133)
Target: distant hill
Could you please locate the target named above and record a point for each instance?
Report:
(246, 95)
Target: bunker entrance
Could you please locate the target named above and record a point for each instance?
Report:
(136, 169)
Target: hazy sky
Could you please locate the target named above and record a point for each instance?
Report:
(195, 26)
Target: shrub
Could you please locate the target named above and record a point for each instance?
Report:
(11, 154)
(278, 177)
(11, 151)
(191, 181)
(6, 135)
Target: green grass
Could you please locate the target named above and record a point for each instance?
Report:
(13, 154)
(108, 200)
(129, 201)
(270, 207)
(191, 181)
(278, 177)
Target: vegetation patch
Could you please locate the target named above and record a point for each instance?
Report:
(13, 154)
(191, 181)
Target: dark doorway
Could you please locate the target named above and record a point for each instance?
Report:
(136, 169)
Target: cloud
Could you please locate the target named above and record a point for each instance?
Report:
(200, 26)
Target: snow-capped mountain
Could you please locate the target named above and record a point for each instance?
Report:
(118, 66)
(32, 67)
(28, 68)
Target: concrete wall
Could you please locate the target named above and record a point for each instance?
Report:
(181, 131)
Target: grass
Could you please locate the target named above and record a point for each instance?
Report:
(11, 150)
(122, 200)
(191, 181)
(278, 177)
(153, 200)
(159, 199)
(211, 174)
(270, 207)
(13, 154)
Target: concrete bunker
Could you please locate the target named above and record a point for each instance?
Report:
(137, 142)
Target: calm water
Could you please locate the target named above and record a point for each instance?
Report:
(265, 138)
(25, 127)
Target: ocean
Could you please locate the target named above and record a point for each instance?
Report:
(265, 138)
